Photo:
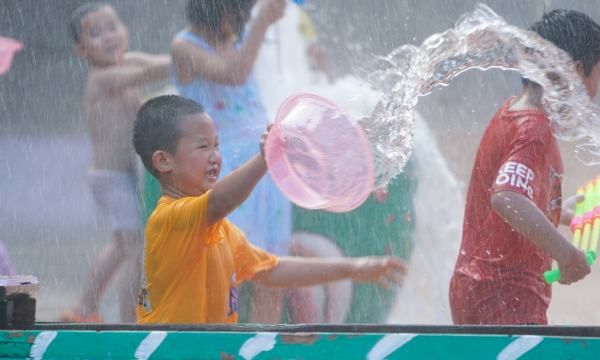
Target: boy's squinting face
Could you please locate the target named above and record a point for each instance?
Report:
(197, 159)
(103, 37)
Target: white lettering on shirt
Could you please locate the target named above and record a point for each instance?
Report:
(517, 175)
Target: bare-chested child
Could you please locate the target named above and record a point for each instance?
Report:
(111, 99)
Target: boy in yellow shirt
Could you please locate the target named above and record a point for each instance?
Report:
(194, 257)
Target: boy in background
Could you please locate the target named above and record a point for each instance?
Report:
(514, 198)
(111, 99)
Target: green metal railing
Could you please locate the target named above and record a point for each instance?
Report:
(63, 341)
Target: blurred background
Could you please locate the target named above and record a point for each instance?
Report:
(49, 222)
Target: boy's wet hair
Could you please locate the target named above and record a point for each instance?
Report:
(78, 14)
(574, 32)
(156, 126)
(210, 13)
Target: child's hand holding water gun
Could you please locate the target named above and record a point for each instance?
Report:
(531, 222)
(572, 267)
(585, 225)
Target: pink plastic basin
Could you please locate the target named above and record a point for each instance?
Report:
(318, 157)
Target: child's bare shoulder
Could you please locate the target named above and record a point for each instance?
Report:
(178, 42)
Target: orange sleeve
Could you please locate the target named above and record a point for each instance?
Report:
(248, 258)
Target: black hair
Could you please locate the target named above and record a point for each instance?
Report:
(574, 32)
(211, 13)
(156, 126)
(78, 14)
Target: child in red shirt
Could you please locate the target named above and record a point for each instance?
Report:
(514, 198)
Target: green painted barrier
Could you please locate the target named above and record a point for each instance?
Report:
(189, 343)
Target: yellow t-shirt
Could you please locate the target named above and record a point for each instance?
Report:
(191, 270)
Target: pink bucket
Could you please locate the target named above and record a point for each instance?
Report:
(318, 157)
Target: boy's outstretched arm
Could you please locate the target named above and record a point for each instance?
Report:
(524, 216)
(232, 67)
(137, 69)
(300, 271)
(230, 192)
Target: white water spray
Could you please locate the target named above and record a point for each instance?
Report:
(480, 40)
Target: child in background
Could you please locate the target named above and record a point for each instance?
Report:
(213, 65)
(290, 61)
(514, 198)
(111, 100)
(194, 257)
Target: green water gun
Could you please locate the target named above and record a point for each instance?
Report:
(585, 226)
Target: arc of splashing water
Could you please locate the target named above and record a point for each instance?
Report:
(480, 40)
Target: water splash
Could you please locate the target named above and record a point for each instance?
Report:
(423, 297)
(480, 40)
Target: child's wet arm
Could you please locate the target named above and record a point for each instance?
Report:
(229, 193)
(296, 271)
(230, 67)
(156, 67)
(304, 271)
(134, 73)
(525, 217)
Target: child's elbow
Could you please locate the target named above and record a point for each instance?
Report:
(235, 73)
(497, 200)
